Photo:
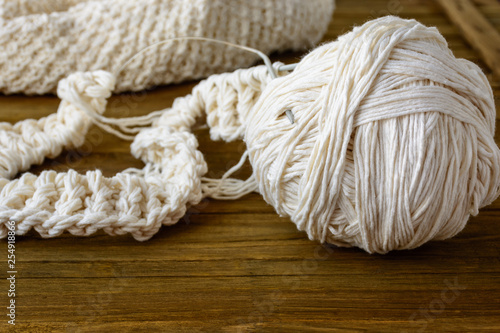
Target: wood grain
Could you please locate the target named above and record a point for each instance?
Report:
(495, 3)
(478, 31)
(238, 267)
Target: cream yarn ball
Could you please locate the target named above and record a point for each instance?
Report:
(392, 144)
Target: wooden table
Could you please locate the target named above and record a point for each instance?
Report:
(236, 266)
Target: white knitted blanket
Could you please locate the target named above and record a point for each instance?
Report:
(43, 41)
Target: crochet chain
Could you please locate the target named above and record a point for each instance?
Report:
(134, 201)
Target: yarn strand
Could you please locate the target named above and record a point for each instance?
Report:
(263, 56)
(133, 125)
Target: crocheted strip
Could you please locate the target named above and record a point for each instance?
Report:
(225, 99)
(28, 142)
(135, 201)
(139, 204)
(41, 49)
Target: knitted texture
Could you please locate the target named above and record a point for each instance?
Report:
(44, 41)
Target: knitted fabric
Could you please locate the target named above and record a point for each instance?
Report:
(44, 41)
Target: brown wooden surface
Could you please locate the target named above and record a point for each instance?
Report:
(236, 266)
(476, 28)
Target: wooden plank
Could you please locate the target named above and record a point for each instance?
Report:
(493, 3)
(235, 266)
(476, 29)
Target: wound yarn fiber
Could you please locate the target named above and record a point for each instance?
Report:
(44, 41)
(392, 146)
(393, 142)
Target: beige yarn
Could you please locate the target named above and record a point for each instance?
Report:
(43, 41)
(134, 201)
(392, 146)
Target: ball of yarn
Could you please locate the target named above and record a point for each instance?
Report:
(392, 144)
